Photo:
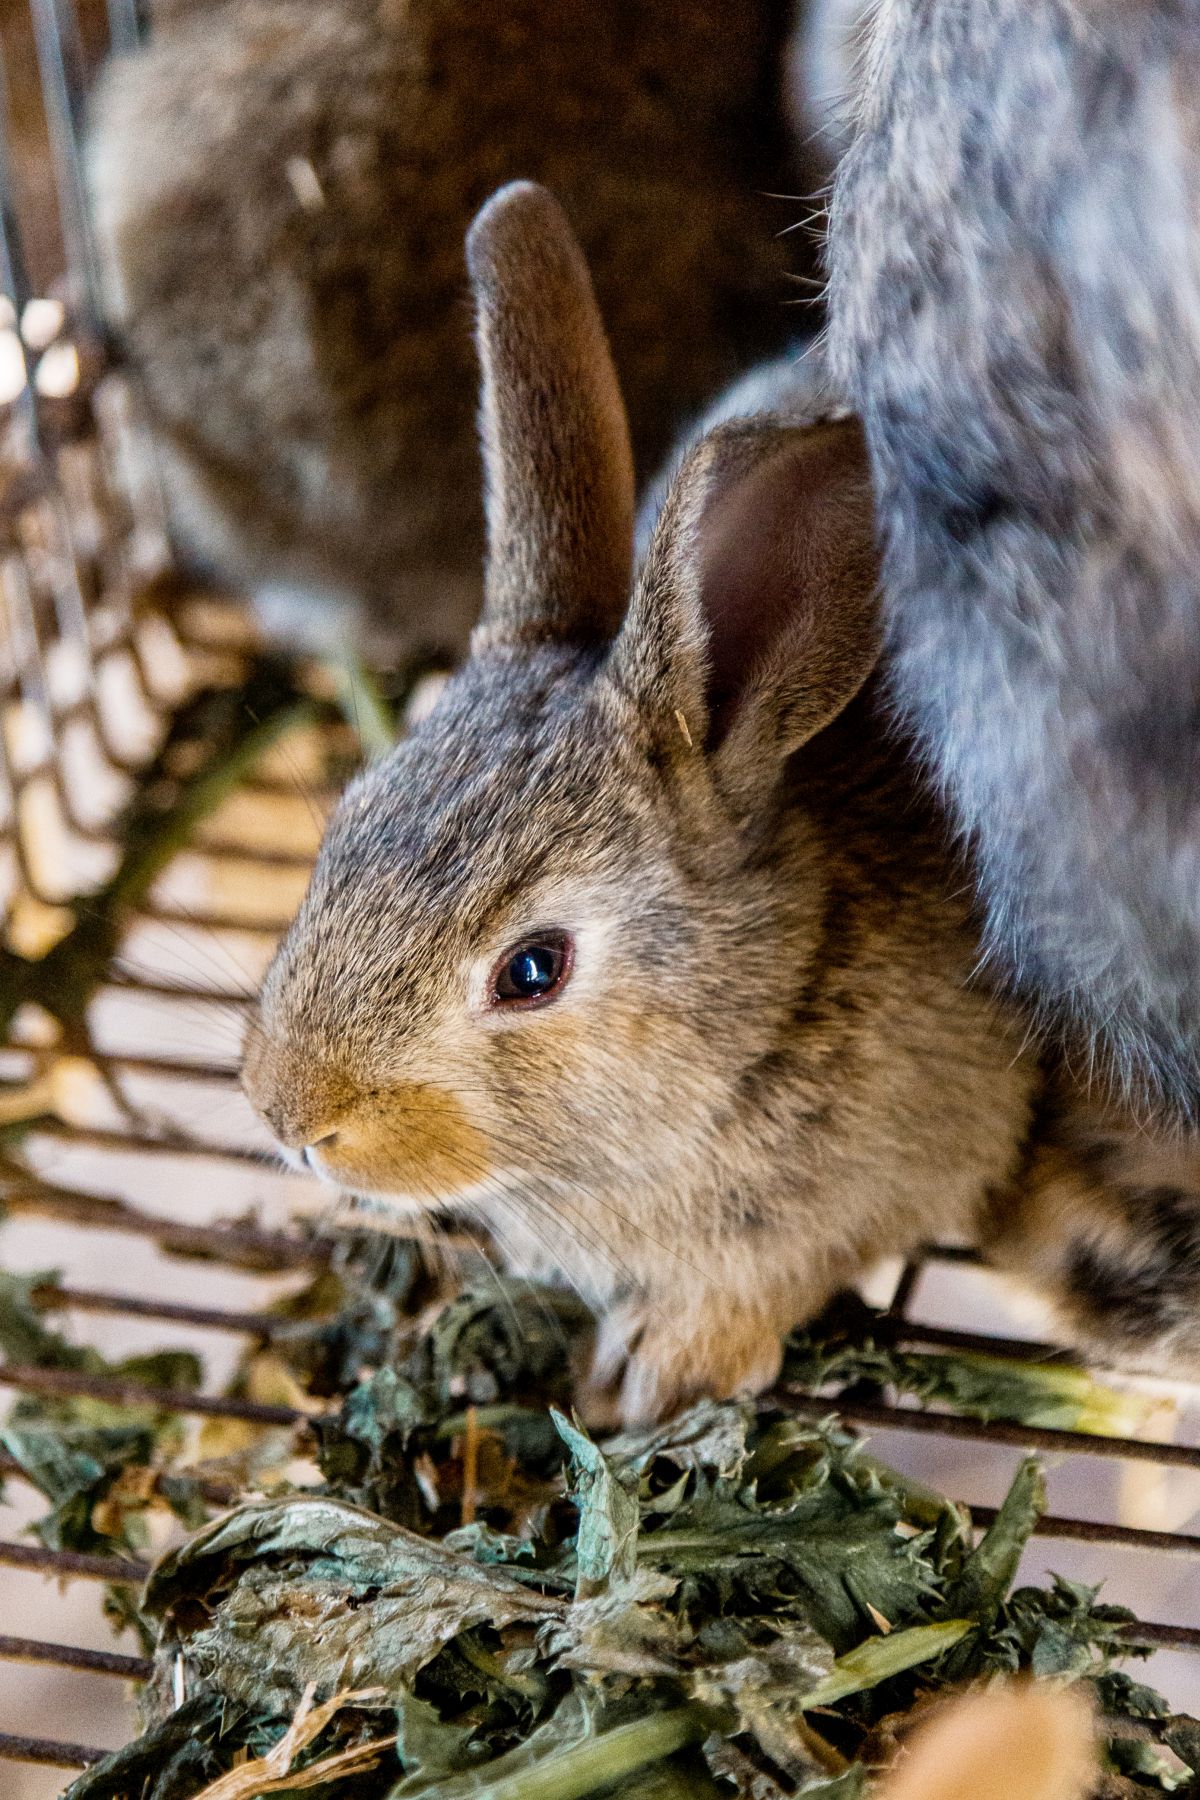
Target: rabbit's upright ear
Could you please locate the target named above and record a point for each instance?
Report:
(755, 617)
(1017, 1743)
(557, 460)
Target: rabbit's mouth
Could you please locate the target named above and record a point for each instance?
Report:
(415, 1147)
(407, 1141)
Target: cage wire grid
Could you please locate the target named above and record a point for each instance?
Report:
(142, 1146)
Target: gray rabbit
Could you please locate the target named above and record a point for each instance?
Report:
(281, 189)
(1015, 312)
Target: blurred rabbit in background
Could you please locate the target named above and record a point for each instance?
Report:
(1015, 311)
(281, 189)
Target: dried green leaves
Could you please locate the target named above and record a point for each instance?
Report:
(736, 1602)
(311, 1591)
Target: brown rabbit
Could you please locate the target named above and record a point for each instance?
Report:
(281, 189)
(1023, 1742)
(646, 946)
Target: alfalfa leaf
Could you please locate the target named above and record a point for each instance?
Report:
(606, 1494)
(764, 1688)
(989, 1571)
(574, 1754)
(309, 1590)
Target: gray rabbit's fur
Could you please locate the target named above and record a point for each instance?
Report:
(822, 72)
(1015, 312)
(772, 1062)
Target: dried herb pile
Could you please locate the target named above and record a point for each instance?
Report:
(471, 1596)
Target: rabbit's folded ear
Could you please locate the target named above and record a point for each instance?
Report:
(1017, 1743)
(557, 460)
(755, 615)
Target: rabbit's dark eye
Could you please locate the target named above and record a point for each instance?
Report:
(532, 971)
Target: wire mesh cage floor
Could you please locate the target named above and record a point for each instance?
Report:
(126, 1148)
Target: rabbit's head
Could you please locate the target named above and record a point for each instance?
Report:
(561, 945)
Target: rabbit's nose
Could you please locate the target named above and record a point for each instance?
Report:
(295, 1131)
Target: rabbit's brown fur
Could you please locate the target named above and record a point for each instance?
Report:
(281, 189)
(770, 1064)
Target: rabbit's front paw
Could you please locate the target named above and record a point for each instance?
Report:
(651, 1360)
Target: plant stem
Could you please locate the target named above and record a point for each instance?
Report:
(612, 1756)
(200, 797)
(364, 707)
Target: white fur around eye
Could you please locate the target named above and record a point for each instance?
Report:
(590, 938)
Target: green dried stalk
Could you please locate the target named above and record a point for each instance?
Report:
(848, 1348)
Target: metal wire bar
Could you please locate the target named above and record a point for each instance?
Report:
(56, 1755)
(910, 1274)
(1096, 1531)
(134, 1306)
(201, 923)
(264, 787)
(71, 1656)
(217, 845)
(72, 1384)
(158, 988)
(264, 1324)
(60, 58)
(1164, 1637)
(14, 281)
(210, 846)
(122, 1570)
(988, 1431)
(100, 1139)
(164, 1067)
(238, 1246)
(907, 1334)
